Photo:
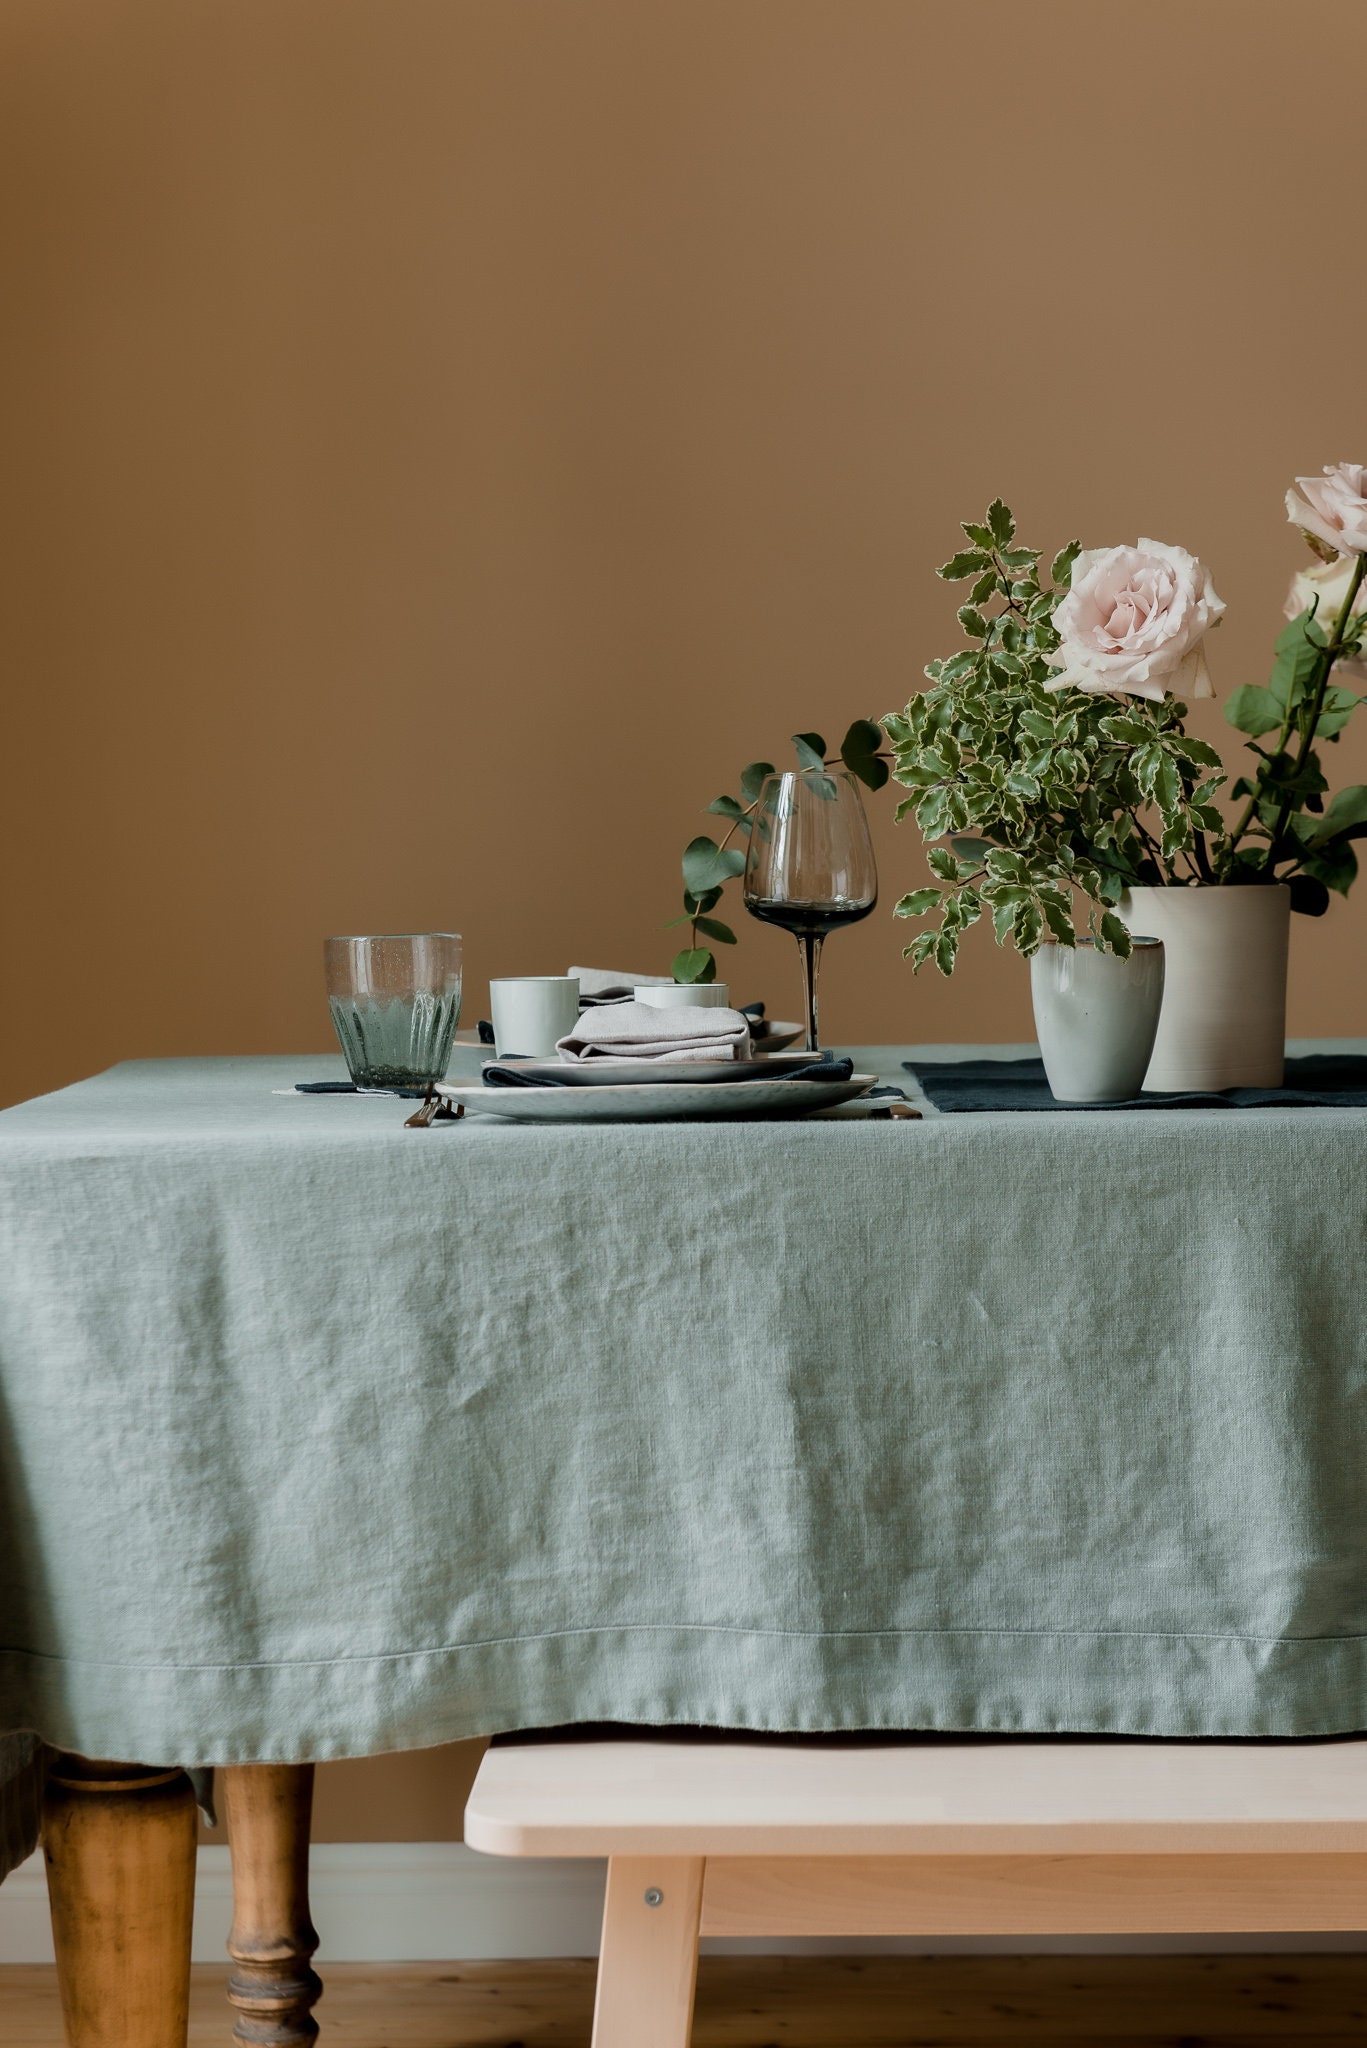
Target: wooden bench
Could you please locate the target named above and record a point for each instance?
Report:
(936, 1837)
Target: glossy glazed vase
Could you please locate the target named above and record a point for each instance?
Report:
(1096, 1017)
(1224, 1010)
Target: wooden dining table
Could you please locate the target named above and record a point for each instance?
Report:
(321, 1436)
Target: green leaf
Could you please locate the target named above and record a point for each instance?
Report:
(713, 928)
(946, 952)
(1028, 928)
(918, 903)
(930, 813)
(1062, 564)
(1253, 709)
(1058, 921)
(693, 904)
(811, 749)
(706, 866)
(1167, 785)
(694, 965)
(1308, 895)
(1298, 656)
(968, 562)
(1115, 934)
(973, 622)
(859, 752)
(1335, 711)
(1335, 865)
(726, 807)
(982, 535)
(1347, 807)
(1127, 732)
(1019, 558)
(753, 779)
(1197, 752)
(983, 588)
(1002, 524)
(942, 863)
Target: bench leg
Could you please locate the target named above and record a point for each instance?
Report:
(119, 1842)
(649, 1959)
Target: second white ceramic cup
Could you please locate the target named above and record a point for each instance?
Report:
(687, 995)
(532, 1011)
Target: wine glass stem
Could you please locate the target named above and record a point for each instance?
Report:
(809, 945)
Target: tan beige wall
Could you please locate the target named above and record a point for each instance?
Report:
(442, 440)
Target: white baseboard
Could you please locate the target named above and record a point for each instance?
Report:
(378, 1902)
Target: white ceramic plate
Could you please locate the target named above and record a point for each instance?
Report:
(612, 1073)
(650, 1103)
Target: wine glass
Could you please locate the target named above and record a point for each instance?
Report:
(810, 865)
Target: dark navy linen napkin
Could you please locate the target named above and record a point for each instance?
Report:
(1317, 1080)
(502, 1075)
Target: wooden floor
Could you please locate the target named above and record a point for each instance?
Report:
(811, 2002)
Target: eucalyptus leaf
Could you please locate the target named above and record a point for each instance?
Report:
(811, 750)
(707, 866)
(753, 779)
(694, 965)
(713, 928)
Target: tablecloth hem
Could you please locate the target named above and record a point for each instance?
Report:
(1171, 1685)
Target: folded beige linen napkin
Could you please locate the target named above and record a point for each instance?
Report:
(594, 981)
(635, 1031)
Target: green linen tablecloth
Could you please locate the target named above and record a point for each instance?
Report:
(319, 1436)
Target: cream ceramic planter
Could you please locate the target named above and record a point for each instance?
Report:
(1095, 1018)
(1223, 1023)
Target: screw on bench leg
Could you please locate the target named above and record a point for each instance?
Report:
(649, 1959)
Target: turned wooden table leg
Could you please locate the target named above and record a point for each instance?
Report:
(267, 1808)
(119, 1844)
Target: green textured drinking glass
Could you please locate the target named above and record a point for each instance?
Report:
(395, 1003)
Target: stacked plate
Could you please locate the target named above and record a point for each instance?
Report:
(652, 1091)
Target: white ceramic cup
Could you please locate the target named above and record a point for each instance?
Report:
(687, 995)
(532, 1011)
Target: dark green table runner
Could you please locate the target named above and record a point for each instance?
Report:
(1313, 1081)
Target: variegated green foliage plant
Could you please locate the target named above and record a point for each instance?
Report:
(1041, 805)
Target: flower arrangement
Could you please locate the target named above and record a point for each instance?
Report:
(1049, 762)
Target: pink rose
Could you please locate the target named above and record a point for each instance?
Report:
(1134, 620)
(1333, 507)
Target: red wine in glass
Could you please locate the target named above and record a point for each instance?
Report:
(810, 866)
